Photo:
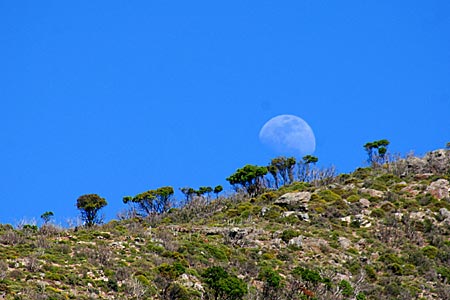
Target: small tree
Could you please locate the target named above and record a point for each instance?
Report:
(305, 171)
(250, 177)
(188, 193)
(376, 151)
(153, 201)
(47, 216)
(204, 190)
(217, 190)
(283, 167)
(90, 205)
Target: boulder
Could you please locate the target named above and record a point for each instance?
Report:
(344, 242)
(297, 241)
(301, 215)
(445, 213)
(294, 201)
(372, 192)
(364, 203)
(439, 189)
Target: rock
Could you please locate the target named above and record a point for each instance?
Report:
(294, 201)
(346, 219)
(364, 202)
(264, 210)
(344, 242)
(297, 241)
(237, 233)
(423, 176)
(372, 192)
(289, 213)
(302, 216)
(445, 213)
(438, 161)
(439, 189)
(412, 189)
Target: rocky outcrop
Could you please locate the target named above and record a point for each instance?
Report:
(294, 201)
(436, 162)
(439, 189)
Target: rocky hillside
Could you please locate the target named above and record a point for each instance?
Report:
(377, 233)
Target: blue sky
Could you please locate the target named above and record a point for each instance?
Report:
(118, 97)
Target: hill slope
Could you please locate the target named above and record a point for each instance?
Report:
(377, 233)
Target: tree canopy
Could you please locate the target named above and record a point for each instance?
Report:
(376, 151)
(250, 177)
(90, 205)
(152, 201)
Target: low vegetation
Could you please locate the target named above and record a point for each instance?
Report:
(380, 232)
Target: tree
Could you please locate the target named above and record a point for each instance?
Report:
(250, 177)
(305, 171)
(90, 205)
(376, 151)
(152, 201)
(217, 190)
(188, 193)
(283, 167)
(46, 217)
(204, 190)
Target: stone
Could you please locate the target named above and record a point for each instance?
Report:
(297, 241)
(364, 202)
(302, 216)
(439, 189)
(372, 192)
(344, 242)
(445, 213)
(294, 201)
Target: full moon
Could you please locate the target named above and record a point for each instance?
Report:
(288, 135)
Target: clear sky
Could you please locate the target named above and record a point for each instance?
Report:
(118, 97)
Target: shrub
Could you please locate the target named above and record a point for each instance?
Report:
(347, 289)
(329, 196)
(289, 234)
(430, 251)
(377, 213)
(224, 285)
(307, 275)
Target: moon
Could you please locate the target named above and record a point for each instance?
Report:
(288, 135)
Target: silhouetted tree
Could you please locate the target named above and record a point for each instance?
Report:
(217, 190)
(90, 205)
(188, 193)
(153, 201)
(250, 177)
(47, 216)
(305, 171)
(283, 167)
(204, 190)
(376, 151)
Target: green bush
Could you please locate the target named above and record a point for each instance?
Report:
(329, 196)
(353, 198)
(224, 285)
(430, 251)
(377, 213)
(307, 275)
(289, 234)
(347, 289)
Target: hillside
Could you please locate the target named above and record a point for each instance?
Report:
(380, 232)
